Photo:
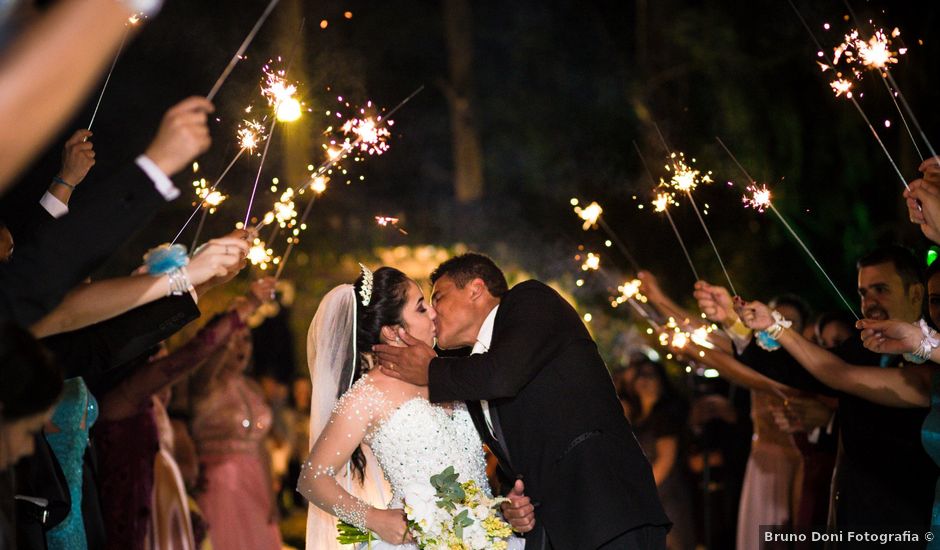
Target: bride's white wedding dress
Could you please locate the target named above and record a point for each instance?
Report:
(412, 440)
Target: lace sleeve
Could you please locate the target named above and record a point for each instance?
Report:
(349, 424)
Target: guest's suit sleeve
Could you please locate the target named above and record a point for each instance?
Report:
(94, 350)
(58, 254)
(528, 333)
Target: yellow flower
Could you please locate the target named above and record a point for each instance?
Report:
(496, 527)
(500, 545)
(471, 490)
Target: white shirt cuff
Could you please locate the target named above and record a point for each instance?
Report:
(53, 206)
(160, 180)
(813, 436)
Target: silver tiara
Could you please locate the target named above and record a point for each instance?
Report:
(366, 291)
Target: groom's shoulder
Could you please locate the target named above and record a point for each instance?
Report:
(531, 289)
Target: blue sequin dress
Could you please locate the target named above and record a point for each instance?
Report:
(930, 437)
(73, 416)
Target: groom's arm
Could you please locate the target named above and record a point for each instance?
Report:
(528, 338)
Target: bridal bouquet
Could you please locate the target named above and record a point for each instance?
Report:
(447, 515)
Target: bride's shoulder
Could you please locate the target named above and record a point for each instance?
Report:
(375, 392)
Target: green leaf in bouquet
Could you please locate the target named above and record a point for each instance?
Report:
(462, 520)
(448, 489)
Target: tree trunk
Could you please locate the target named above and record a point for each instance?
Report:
(468, 153)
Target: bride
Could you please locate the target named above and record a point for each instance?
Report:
(362, 421)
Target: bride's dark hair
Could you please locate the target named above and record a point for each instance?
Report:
(389, 293)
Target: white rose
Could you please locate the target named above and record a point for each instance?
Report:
(481, 512)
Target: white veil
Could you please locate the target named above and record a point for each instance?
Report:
(331, 358)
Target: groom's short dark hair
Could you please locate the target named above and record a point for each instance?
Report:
(467, 267)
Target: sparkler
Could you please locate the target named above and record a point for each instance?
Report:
(318, 180)
(764, 200)
(685, 178)
(661, 204)
(876, 54)
(591, 214)
(842, 87)
(209, 193)
(591, 263)
(278, 92)
(385, 221)
(241, 50)
(131, 21)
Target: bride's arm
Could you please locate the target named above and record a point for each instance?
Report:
(344, 432)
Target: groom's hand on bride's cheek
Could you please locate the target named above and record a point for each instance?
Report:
(519, 511)
(409, 363)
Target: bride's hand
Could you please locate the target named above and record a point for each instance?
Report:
(390, 525)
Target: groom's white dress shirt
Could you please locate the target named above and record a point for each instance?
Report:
(484, 337)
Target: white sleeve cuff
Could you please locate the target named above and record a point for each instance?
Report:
(813, 436)
(53, 206)
(160, 180)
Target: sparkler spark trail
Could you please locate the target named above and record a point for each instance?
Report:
(209, 192)
(789, 228)
(591, 214)
(250, 133)
(661, 204)
(241, 50)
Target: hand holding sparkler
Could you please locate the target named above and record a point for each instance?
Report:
(183, 135)
(218, 260)
(716, 303)
(923, 207)
(78, 156)
(931, 170)
(890, 336)
(757, 315)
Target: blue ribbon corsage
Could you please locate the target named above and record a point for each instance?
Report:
(766, 342)
(165, 258)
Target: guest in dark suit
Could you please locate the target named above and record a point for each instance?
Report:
(59, 253)
(543, 401)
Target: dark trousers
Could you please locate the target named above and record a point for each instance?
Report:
(647, 537)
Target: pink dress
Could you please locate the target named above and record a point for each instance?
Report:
(229, 427)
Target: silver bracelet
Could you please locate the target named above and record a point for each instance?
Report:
(780, 323)
(930, 342)
(179, 282)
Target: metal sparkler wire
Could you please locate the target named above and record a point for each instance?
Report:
(672, 223)
(241, 50)
(792, 232)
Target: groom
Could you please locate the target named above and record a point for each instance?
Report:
(542, 399)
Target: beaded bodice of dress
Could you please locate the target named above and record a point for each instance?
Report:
(418, 439)
(75, 414)
(233, 418)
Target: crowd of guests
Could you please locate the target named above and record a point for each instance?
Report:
(818, 421)
(108, 438)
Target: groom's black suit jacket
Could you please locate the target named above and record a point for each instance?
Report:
(552, 401)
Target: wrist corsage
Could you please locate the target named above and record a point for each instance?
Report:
(929, 342)
(767, 338)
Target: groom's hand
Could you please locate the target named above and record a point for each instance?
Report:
(519, 511)
(409, 363)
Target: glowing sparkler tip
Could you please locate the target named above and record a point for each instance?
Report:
(592, 262)
(759, 198)
(289, 110)
(589, 214)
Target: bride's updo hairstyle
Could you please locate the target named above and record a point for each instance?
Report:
(385, 304)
